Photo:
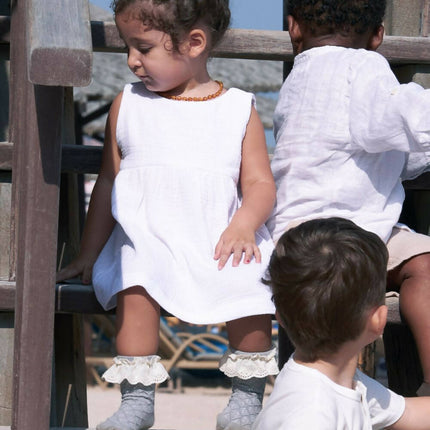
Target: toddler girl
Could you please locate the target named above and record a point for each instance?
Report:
(180, 202)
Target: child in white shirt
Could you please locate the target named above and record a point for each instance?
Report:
(346, 132)
(328, 283)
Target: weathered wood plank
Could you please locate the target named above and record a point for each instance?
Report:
(87, 159)
(262, 44)
(75, 159)
(272, 45)
(401, 356)
(59, 38)
(81, 159)
(35, 130)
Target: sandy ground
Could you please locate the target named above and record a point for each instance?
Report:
(193, 408)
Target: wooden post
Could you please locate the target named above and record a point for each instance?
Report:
(35, 129)
(35, 126)
(60, 49)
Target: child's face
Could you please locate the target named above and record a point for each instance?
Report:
(151, 56)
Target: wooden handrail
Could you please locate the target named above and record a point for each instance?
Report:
(255, 44)
(59, 43)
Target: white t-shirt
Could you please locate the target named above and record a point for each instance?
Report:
(344, 127)
(305, 399)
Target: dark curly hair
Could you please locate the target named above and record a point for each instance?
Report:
(325, 276)
(178, 17)
(332, 16)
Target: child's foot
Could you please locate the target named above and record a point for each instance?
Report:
(244, 405)
(136, 411)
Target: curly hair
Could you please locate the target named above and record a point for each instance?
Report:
(332, 16)
(325, 276)
(178, 17)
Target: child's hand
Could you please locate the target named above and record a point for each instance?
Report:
(78, 267)
(236, 241)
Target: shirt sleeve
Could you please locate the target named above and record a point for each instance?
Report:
(416, 164)
(384, 114)
(385, 406)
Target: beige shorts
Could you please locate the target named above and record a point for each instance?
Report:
(404, 244)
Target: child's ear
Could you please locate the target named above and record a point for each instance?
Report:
(377, 320)
(296, 34)
(197, 42)
(279, 319)
(376, 39)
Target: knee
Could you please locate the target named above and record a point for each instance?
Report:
(418, 266)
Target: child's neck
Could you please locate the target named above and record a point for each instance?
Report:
(340, 367)
(346, 41)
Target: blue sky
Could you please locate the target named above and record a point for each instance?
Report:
(245, 13)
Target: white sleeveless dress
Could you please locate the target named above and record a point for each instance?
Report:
(175, 193)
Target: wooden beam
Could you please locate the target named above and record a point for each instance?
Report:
(59, 43)
(257, 44)
(35, 130)
(87, 159)
(272, 45)
(75, 159)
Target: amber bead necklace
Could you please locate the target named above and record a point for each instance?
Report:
(198, 99)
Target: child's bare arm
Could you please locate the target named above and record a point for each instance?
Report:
(416, 415)
(99, 222)
(258, 198)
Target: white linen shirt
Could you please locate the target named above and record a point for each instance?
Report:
(304, 398)
(344, 128)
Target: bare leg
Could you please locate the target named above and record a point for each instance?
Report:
(251, 334)
(413, 277)
(137, 322)
(136, 369)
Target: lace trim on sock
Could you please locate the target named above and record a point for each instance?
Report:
(137, 370)
(246, 365)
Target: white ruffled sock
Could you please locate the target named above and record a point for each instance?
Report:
(249, 371)
(137, 376)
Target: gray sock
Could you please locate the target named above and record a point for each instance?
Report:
(244, 405)
(136, 411)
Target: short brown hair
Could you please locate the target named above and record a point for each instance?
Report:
(325, 275)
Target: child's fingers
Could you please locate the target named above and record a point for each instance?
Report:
(68, 272)
(237, 255)
(87, 275)
(257, 254)
(217, 253)
(249, 253)
(225, 255)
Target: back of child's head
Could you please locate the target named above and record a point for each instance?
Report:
(324, 17)
(179, 17)
(326, 275)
